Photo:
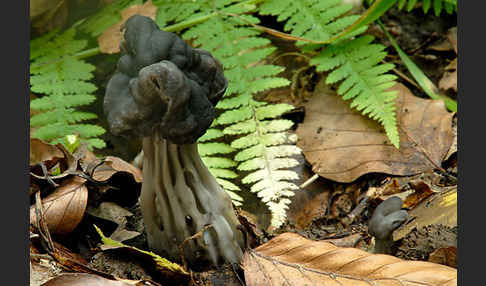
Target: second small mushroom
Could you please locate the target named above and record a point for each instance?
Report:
(387, 217)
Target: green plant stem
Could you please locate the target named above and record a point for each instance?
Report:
(425, 83)
(88, 53)
(173, 28)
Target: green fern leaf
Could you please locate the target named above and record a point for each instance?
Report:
(272, 111)
(66, 101)
(64, 81)
(211, 134)
(235, 115)
(311, 19)
(213, 148)
(363, 80)
(242, 52)
(244, 127)
(175, 11)
(223, 173)
(259, 163)
(449, 6)
(106, 17)
(218, 162)
(355, 64)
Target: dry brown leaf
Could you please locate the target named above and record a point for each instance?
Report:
(82, 279)
(452, 37)
(313, 206)
(46, 15)
(110, 211)
(346, 241)
(115, 213)
(449, 78)
(440, 208)
(109, 41)
(445, 256)
(290, 259)
(309, 203)
(41, 152)
(453, 148)
(48, 155)
(341, 144)
(65, 207)
(42, 271)
(114, 165)
(38, 7)
(422, 191)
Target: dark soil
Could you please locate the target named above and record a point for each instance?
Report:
(420, 243)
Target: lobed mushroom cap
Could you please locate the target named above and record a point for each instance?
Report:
(162, 85)
(387, 217)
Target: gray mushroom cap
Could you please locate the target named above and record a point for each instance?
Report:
(387, 217)
(162, 84)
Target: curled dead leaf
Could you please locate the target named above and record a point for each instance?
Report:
(113, 165)
(342, 145)
(110, 39)
(65, 207)
(41, 152)
(290, 259)
(421, 191)
(445, 255)
(115, 213)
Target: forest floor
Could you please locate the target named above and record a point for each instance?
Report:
(324, 210)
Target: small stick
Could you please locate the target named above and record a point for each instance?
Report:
(347, 220)
(181, 246)
(309, 181)
(42, 225)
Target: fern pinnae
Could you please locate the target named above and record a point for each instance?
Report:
(438, 6)
(353, 63)
(108, 15)
(64, 81)
(255, 123)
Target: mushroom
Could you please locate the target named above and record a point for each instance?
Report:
(387, 217)
(165, 91)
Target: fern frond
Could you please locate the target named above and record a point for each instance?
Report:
(241, 51)
(212, 148)
(64, 81)
(65, 101)
(311, 19)
(357, 64)
(106, 17)
(171, 11)
(449, 6)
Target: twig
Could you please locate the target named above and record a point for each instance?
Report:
(41, 256)
(181, 246)
(403, 76)
(45, 174)
(233, 267)
(309, 181)
(347, 220)
(42, 225)
(290, 54)
(295, 80)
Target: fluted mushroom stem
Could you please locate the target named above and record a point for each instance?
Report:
(179, 198)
